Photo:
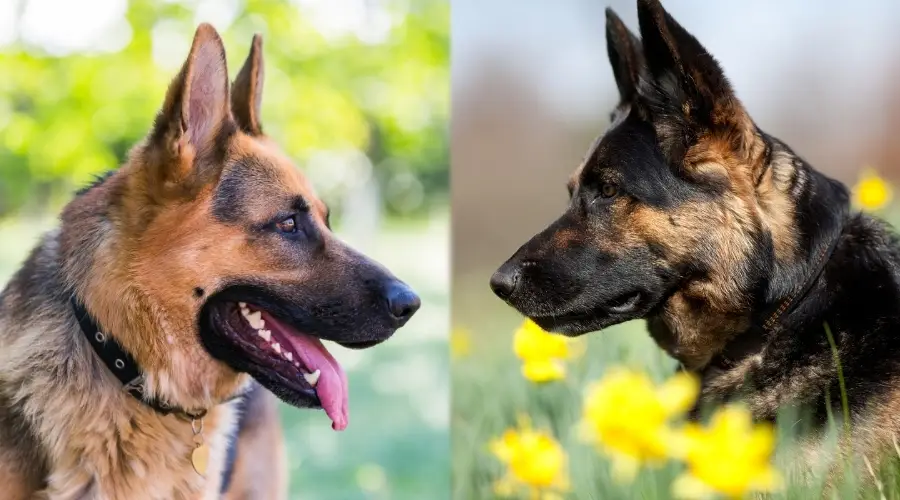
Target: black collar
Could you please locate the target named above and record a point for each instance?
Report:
(749, 340)
(785, 307)
(123, 365)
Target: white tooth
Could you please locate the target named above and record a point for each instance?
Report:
(255, 320)
(297, 364)
(265, 334)
(289, 356)
(242, 305)
(312, 378)
(277, 347)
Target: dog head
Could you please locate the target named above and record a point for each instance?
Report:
(669, 204)
(230, 249)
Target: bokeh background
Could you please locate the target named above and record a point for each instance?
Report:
(356, 91)
(532, 88)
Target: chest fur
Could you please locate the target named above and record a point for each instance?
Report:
(137, 457)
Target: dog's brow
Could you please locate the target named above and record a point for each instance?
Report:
(570, 186)
(299, 203)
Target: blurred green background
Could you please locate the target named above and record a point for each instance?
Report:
(356, 91)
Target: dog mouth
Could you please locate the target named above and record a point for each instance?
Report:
(293, 364)
(624, 304)
(619, 309)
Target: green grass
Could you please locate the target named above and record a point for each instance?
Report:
(397, 444)
(489, 392)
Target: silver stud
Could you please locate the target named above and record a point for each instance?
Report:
(120, 364)
(100, 337)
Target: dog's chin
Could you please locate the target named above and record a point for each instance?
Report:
(574, 322)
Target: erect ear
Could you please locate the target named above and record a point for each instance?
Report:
(196, 107)
(246, 96)
(625, 55)
(688, 88)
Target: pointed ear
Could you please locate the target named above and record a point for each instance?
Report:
(625, 55)
(688, 85)
(246, 97)
(196, 106)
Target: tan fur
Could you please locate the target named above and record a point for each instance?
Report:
(141, 251)
(871, 447)
(705, 314)
(99, 441)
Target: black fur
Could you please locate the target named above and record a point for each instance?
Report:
(582, 273)
(98, 180)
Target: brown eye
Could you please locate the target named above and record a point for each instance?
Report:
(288, 225)
(608, 190)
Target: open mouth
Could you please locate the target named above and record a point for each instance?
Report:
(296, 366)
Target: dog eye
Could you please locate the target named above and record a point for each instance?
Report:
(288, 225)
(608, 190)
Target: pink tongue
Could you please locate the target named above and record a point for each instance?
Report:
(332, 385)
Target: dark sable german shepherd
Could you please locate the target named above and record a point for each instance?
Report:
(129, 337)
(734, 249)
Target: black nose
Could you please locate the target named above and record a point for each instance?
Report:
(505, 280)
(402, 301)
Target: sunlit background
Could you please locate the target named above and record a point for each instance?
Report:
(356, 91)
(531, 89)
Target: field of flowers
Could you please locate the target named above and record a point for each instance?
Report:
(544, 417)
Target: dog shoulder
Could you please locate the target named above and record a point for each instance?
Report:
(258, 468)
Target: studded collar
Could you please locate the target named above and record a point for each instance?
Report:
(123, 365)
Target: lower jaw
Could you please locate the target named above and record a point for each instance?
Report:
(237, 358)
(298, 397)
(573, 325)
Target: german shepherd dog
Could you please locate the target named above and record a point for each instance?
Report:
(733, 248)
(203, 263)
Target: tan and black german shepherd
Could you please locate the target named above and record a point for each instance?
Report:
(734, 249)
(129, 337)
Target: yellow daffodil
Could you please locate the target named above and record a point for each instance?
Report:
(730, 457)
(460, 342)
(535, 462)
(872, 192)
(543, 354)
(629, 417)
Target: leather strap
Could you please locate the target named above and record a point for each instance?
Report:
(748, 341)
(121, 364)
(788, 304)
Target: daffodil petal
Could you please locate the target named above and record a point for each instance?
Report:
(768, 480)
(460, 342)
(502, 448)
(543, 370)
(679, 441)
(679, 393)
(624, 468)
(689, 487)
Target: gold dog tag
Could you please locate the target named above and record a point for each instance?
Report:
(200, 455)
(200, 458)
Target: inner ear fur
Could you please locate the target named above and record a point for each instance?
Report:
(686, 93)
(195, 113)
(246, 97)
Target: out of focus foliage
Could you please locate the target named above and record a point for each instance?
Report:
(355, 90)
